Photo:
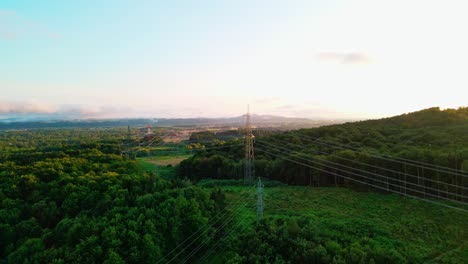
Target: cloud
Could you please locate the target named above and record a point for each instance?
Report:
(13, 26)
(25, 108)
(286, 107)
(344, 57)
(268, 100)
(32, 108)
(312, 110)
(6, 13)
(92, 111)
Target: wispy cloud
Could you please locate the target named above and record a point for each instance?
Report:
(268, 100)
(92, 111)
(13, 26)
(344, 57)
(286, 107)
(33, 108)
(6, 13)
(311, 110)
(26, 108)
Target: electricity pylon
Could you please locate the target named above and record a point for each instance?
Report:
(249, 172)
(259, 199)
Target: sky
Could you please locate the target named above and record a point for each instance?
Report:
(328, 59)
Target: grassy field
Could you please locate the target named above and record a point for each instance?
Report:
(166, 160)
(163, 165)
(147, 166)
(414, 228)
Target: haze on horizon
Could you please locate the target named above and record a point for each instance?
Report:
(298, 58)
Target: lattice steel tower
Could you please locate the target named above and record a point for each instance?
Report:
(249, 173)
(260, 203)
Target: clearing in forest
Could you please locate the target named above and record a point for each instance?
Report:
(166, 160)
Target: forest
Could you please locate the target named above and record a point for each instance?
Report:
(372, 148)
(69, 196)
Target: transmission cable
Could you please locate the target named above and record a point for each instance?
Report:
(360, 181)
(377, 167)
(204, 227)
(378, 175)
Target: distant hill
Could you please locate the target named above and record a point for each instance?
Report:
(425, 118)
(257, 120)
(432, 128)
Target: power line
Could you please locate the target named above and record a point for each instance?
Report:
(373, 179)
(207, 227)
(197, 149)
(260, 202)
(360, 181)
(249, 170)
(374, 166)
(413, 163)
(185, 150)
(219, 147)
(388, 157)
(194, 251)
(237, 138)
(204, 227)
(221, 241)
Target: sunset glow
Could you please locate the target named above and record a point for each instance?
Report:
(327, 59)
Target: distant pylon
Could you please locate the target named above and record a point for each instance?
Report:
(129, 133)
(249, 172)
(260, 204)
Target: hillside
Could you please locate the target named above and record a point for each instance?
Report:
(367, 151)
(366, 222)
(70, 196)
(338, 225)
(431, 135)
(430, 117)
